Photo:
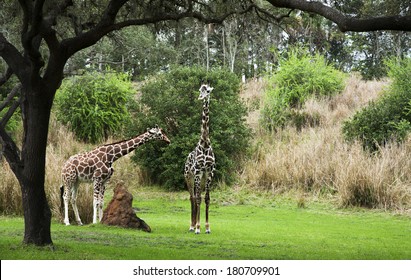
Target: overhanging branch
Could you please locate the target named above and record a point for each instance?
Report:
(344, 22)
(13, 58)
(107, 24)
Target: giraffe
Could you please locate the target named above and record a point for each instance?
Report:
(96, 166)
(200, 166)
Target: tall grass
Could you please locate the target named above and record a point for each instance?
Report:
(316, 159)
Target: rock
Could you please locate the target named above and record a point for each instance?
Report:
(119, 211)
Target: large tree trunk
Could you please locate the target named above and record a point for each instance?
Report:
(37, 214)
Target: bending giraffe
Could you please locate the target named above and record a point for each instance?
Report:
(96, 166)
(200, 166)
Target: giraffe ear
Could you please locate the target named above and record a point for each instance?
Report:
(156, 126)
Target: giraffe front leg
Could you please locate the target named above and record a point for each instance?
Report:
(197, 198)
(193, 213)
(66, 205)
(94, 210)
(190, 189)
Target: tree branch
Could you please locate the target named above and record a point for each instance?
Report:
(9, 147)
(347, 23)
(107, 23)
(10, 151)
(11, 111)
(89, 38)
(6, 76)
(10, 97)
(13, 58)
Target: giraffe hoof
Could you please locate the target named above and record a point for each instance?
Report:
(197, 231)
(208, 231)
(191, 229)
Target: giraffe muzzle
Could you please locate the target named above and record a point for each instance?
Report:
(165, 139)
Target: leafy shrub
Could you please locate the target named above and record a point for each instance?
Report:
(94, 105)
(299, 77)
(387, 118)
(171, 101)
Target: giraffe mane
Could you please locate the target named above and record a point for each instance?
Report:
(121, 141)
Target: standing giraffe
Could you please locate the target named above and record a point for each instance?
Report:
(96, 166)
(200, 166)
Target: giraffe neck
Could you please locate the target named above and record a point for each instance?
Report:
(122, 148)
(205, 137)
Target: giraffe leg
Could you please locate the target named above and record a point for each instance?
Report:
(197, 191)
(101, 202)
(97, 187)
(66, 204)
(193, 213)
(207, 202)
(190, 189)
(74, 204)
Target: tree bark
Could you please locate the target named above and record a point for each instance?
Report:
(37, 214)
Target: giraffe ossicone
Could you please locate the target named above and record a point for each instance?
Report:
(200, 165)
(96, 166)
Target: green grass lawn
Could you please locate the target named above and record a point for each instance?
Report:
(261, 229)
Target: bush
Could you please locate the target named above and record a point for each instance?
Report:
(171, 101)
(95, 105)
(389, 117)
(299, 77)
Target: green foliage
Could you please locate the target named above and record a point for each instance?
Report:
(387, 118)
(299, 77)
(171, 101)
(95, 105)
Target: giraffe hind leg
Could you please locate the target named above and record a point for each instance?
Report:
(98, 199)
(101, 202)
(207, 201)
(74, 204)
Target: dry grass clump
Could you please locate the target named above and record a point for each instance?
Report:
(10, 193)
(316, 159)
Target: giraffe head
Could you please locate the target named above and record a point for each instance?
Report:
(157, 133)
(205, 91)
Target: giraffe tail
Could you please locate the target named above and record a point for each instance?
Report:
(61, 198)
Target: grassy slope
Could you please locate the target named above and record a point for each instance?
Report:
(260, 229)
